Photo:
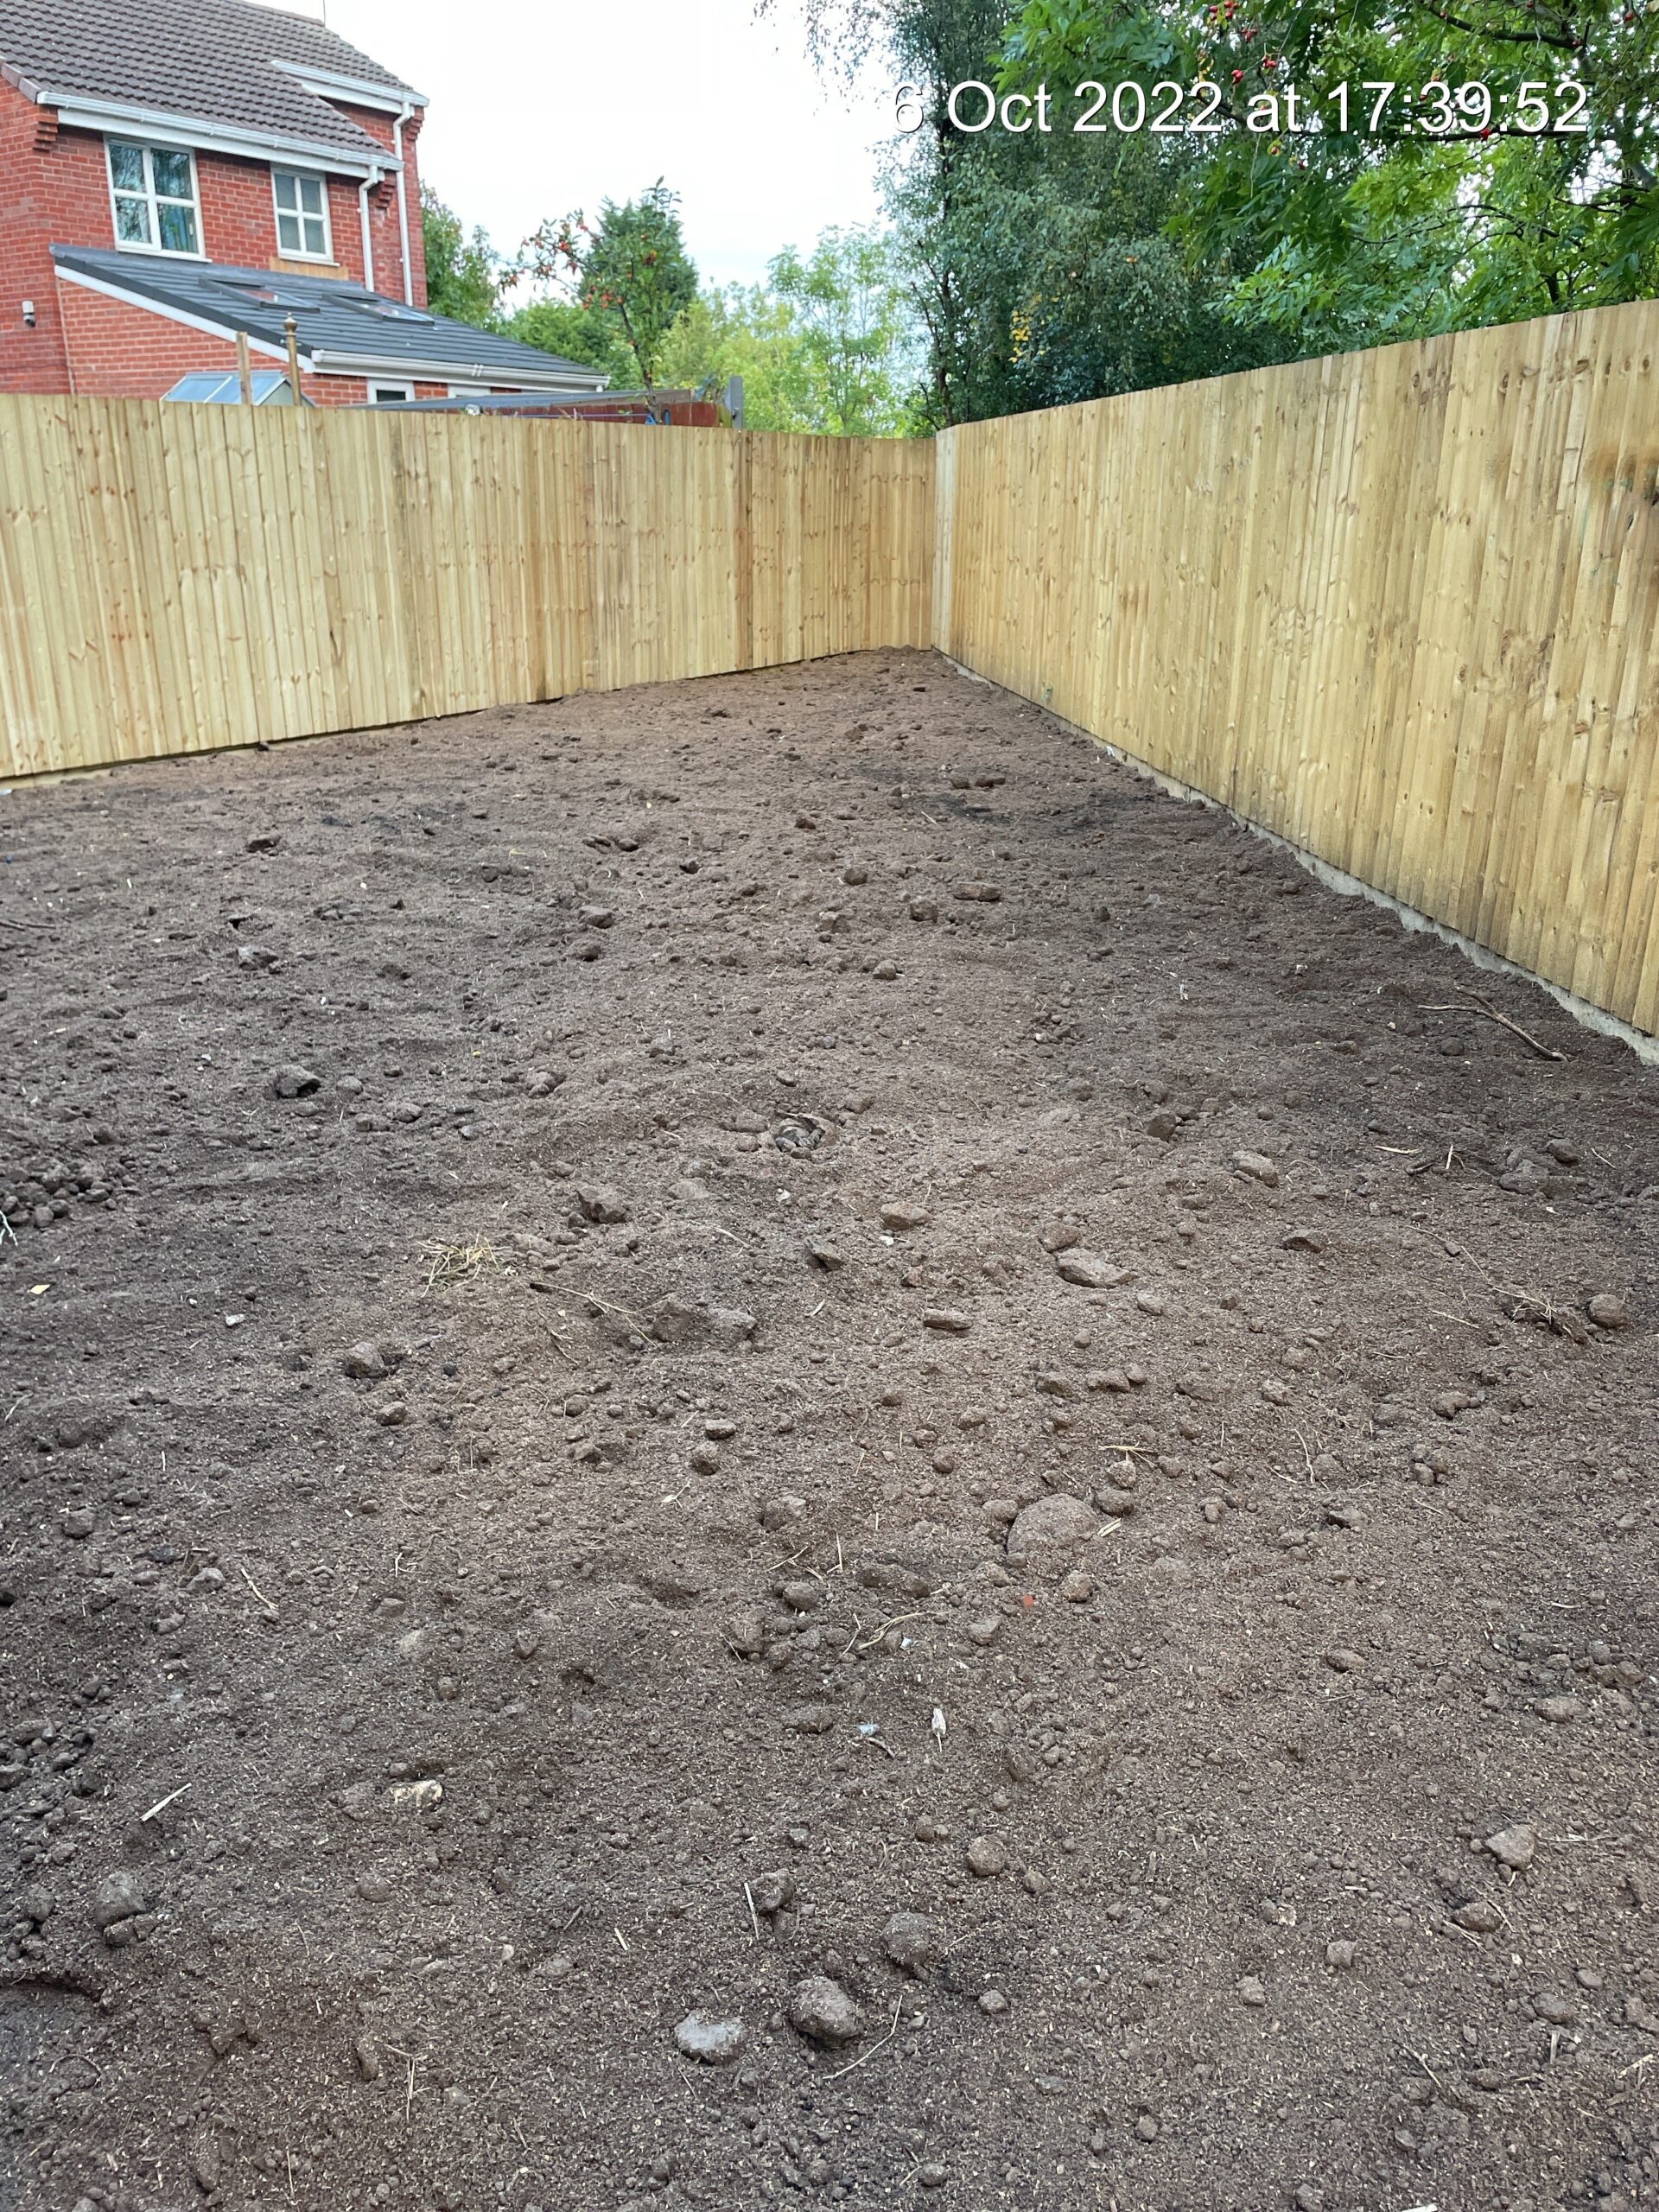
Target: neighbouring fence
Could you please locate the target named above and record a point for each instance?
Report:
(1398, 607)
(174, 578)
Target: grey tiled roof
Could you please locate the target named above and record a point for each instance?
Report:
(337, 323)
(212, 61)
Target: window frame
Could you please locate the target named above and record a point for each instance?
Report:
(308, 176)
(374, 385)
(154, 200)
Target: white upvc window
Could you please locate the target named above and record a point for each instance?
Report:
(153, 188)
(382, 394)
(302, 215)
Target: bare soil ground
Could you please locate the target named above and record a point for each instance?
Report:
(780, 1348)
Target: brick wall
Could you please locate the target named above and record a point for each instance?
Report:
(54, 189)
(386, 237)
(43, 196)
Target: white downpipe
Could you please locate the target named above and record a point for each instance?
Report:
(368, 240)
(403, 114)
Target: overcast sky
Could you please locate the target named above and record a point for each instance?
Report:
(538, 108)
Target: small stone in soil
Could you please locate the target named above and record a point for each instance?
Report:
(912, 1941)
(1479, 1916)
(821, 2010)
(120, 1897)
(772, 1892)
(902, 1214)
(1053, 1524)
(1514, 1847)
(1558, 2010)
(714, 2040)
(1087, 1269)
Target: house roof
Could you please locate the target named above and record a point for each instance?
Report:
(217, 62)
(342, 329)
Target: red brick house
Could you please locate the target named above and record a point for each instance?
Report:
(173, 174)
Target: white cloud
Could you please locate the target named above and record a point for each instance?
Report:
(537, 109)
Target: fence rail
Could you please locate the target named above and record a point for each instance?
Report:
(1402, 608)
(176, 578)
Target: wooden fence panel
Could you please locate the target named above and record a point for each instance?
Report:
(176, 578)
(1402, 608)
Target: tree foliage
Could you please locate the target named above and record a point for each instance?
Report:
(827, 344)
(744, 331)
(1445, 215)
(463, 276)
(1042, 264)
(854, 331)
(574, 334)
(630, 270)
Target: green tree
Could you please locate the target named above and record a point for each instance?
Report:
(827, 344)
(631, 270)
(463, 278)
(1041, 263)
(850, 309)
(745, 331)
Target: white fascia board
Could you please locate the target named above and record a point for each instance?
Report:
(165, 130)
(359, 91)
(223, 330)
(445, 373)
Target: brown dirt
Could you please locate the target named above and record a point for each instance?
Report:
(654, 1544)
